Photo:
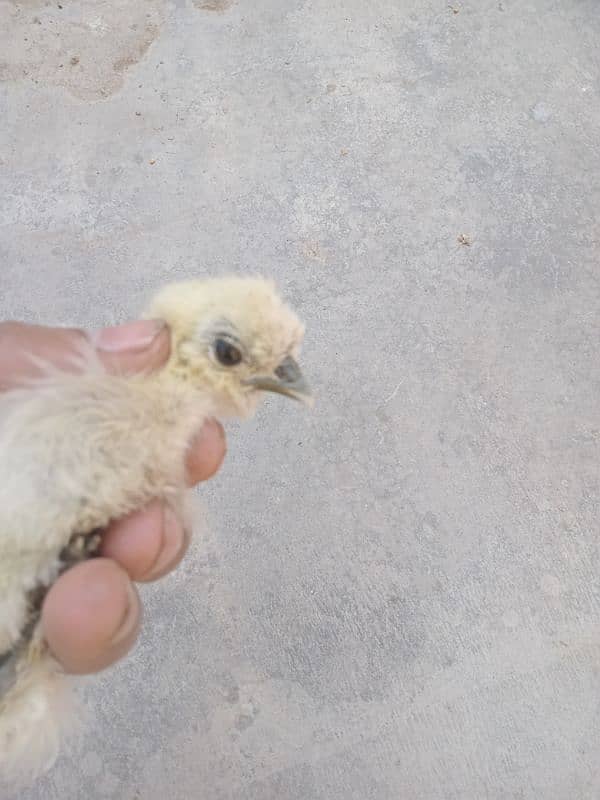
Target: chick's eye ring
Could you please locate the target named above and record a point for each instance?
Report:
(226, 353)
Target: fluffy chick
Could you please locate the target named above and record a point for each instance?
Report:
(80, 450)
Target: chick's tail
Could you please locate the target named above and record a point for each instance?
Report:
(37, 712)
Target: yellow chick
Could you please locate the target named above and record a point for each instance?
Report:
(78, 451)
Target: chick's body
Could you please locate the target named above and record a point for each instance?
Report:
(75, 454)
(80, 450)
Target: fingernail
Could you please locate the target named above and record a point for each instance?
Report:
(130, 621)
(173, 542)
(131, 337)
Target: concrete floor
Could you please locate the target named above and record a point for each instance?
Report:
(398, 595)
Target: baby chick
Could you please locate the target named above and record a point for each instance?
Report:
(78, 451)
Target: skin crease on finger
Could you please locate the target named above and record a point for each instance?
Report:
(145, 545)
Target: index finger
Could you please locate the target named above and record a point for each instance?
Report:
(134, 347)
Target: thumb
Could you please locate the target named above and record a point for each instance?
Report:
(134, 347)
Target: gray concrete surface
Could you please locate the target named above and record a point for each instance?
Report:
(397, 596)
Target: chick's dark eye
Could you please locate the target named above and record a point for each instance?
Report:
(227, 354)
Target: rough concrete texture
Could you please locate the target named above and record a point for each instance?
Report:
(398, 595)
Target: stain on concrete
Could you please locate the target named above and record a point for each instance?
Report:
(85, 48)
(137, 53)
(219, 6)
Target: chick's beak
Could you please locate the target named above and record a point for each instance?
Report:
(287, 379)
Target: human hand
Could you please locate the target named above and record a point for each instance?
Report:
(91, 614)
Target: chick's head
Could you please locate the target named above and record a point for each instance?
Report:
(232, 338)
